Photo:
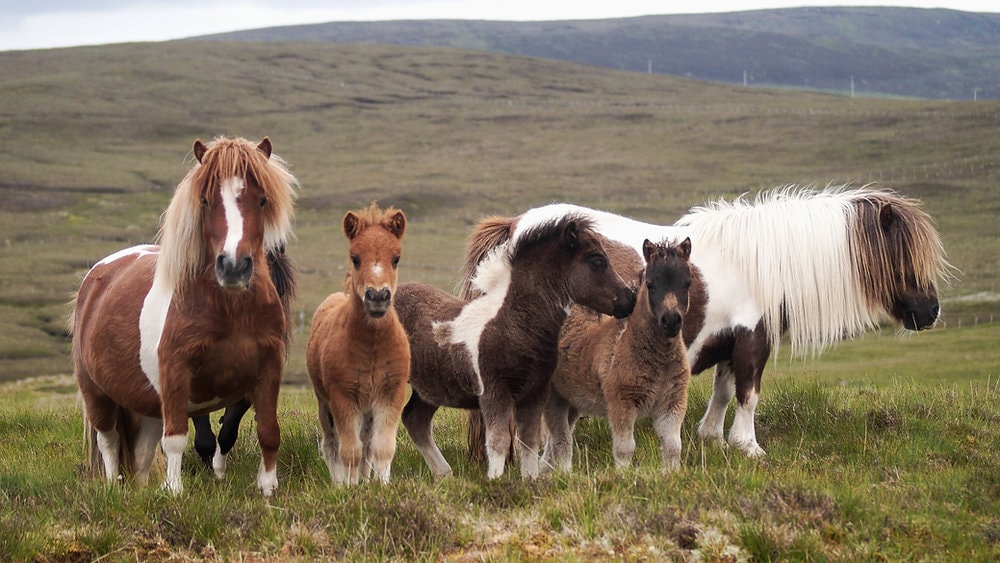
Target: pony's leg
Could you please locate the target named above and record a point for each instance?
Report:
(174, 395)
(418, 418)
(497, 409)
(750, 355)
(558, 454)
(265, 406)
(621, 418)
(146, 440)
(711, 428)
(109, 444)
(204, 439)
(347, 422)
(367, 431)
(385, 421)
(228, 433)
(528, 417)
(328, 442)
(668, 428)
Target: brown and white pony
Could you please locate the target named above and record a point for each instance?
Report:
(628, 368)
(498, 351)
(358, 356)
(193, 325)
(817, 266)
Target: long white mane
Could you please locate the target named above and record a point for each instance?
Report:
(790, 247)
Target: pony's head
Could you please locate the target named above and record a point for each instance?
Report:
(580, 264)
(900, 258)
(375, 248)
(233, 207)
(665, 284)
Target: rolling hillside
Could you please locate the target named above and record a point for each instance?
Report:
(93, 140)
(938, 54)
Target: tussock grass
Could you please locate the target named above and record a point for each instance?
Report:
(879, 466)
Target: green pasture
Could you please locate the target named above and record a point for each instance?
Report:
(882, 448)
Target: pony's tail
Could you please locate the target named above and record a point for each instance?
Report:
(127, 425)
(488, 234)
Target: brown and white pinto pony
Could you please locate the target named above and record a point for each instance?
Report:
(624, 369)
(497, 352)
(817, 266)
(193, 325)
(358, 356)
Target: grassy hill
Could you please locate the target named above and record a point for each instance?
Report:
(93, 140)
(941, 54)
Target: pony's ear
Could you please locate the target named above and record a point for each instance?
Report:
(684, 248)
(648, 248)
(886, 216)
(265, 147)
(199, 149)
(395, 223)
(352, 225)
(571, 235)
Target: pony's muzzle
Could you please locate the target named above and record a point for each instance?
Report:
(671, 322)
(377, 301)
(233, 274)
(624, 303)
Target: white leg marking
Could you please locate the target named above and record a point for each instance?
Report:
(267, 481)
(219, 463)
(710, 429)
(743, 435)
(173, 448)
(529, 461)
(495, 463)
(230, 191)
(668, 429)
(108, 443)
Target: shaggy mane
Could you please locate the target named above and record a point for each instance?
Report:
(817, 261)
(181, 253)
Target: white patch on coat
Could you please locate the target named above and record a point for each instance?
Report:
(493, 280)
(151, 321)
(137, 251)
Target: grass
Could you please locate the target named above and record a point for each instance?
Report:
(871, 465)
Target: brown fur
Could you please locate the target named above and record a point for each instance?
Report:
(629, 368)
(358, 355)
(218, 346)
(550, 268)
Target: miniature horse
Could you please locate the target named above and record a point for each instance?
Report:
(497, 352)
(162, 333)
(817, 266)
(358, 356)
(215, 454)
(627, 368)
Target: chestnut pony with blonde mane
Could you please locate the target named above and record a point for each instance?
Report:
(358, 356)
(193, 325)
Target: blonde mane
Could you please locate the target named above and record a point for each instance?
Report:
(181, 253)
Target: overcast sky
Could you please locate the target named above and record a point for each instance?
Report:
(38, 24)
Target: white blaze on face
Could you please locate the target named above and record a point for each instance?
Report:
(231, 190)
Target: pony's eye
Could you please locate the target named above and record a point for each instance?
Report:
(395, 261)
(356, 261)
(599, 262)
(263, 201)
(204, 201)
